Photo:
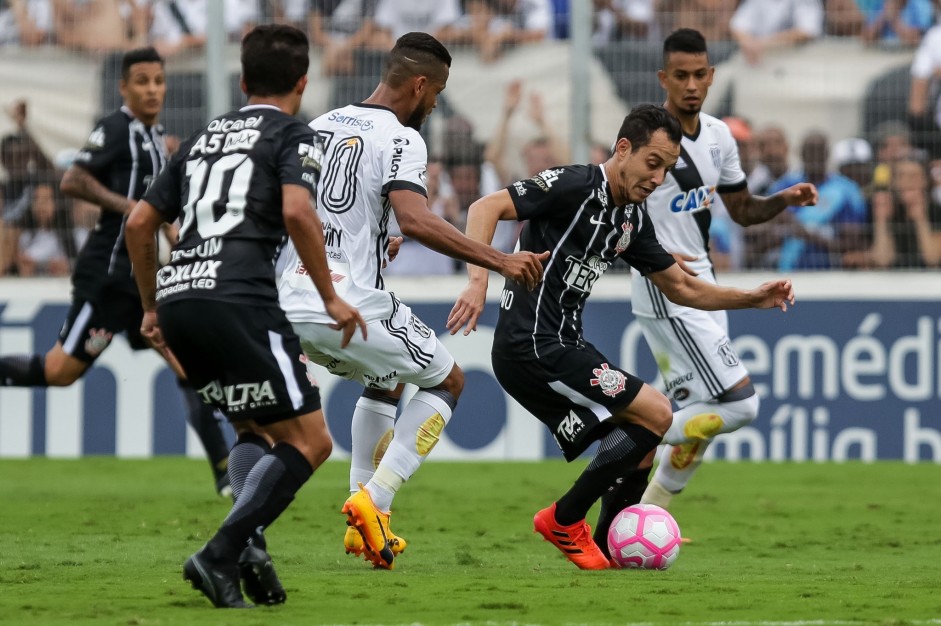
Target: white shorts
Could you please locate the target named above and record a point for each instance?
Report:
(694, 354)
(400, 349)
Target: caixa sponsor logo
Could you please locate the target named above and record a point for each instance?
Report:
(239, 397)
(692, 200)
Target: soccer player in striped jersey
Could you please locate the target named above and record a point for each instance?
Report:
(589, 216)
(701, 372)
(374, 164)
(123, 154)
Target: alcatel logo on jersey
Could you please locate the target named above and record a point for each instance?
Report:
(239, 397)
(350, 120)
(223, 125)
(692, 200)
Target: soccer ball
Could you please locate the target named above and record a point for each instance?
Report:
(644, 536)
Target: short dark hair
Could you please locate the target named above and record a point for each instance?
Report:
(414, 54)
(646, 119)
(139, 55)
(274, 58)
(686, 40)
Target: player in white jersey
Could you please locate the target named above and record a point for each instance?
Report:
(374, 162)
(700, 369)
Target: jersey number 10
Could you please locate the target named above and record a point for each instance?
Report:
(203, 194)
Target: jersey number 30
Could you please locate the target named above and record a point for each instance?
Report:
(203, 194)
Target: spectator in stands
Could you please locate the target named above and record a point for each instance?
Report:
(338, 27)
(923, 110)
(622, 19)
(762, 25)
(543, 151)
(758, 175)
(598, 153)
(101, 25)
(413, 258)
(897, 21)
(496, 25)
(181, 24)
(844, 18)
(815, 237)
(893, 141)
(439, 18)
(906, 222)
(44, 244)
(25, 22)
(762, 241)
(710, 17)
(773, 153)
(853, 159)
(24, 162)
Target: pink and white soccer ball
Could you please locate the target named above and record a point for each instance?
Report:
(644, 536)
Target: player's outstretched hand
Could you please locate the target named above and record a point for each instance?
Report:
(347, 318)
(524, 268)
(801, 194)
(774, 294)
(467, 309)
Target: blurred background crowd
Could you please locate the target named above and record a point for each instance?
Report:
(880, 186)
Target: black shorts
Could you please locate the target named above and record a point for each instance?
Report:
(573, 392)
(244, 359)
(91, 324)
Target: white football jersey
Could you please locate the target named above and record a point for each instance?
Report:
(367, 154)
(681, 207)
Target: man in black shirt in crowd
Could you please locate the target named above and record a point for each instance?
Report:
(589, 216)
(122, 156)
(240, 186)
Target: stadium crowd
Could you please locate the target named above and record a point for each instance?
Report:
(880, 193)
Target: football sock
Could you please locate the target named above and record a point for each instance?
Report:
(620, 452)
(373, 419)
(207, 425)
(692, 431)
(624, 493)
(249, 448)
(734, 409)
(268, 490)
(23, 371)
(415, 434)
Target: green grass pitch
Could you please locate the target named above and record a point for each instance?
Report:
(101, 541)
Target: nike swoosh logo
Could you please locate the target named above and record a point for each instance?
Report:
(598, 221)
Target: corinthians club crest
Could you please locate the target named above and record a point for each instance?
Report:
(611, 381)
(625, 240)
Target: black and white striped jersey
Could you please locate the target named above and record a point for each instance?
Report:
(571, 213)
(124, 155)
(225, 186)
(682, 207)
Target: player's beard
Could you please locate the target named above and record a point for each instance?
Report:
(416, 118)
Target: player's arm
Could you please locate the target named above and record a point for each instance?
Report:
(140, 233)
(79, 183)
(685, 290)
(419, 223)
(482, 218)
(306, 232)
(747, 209)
